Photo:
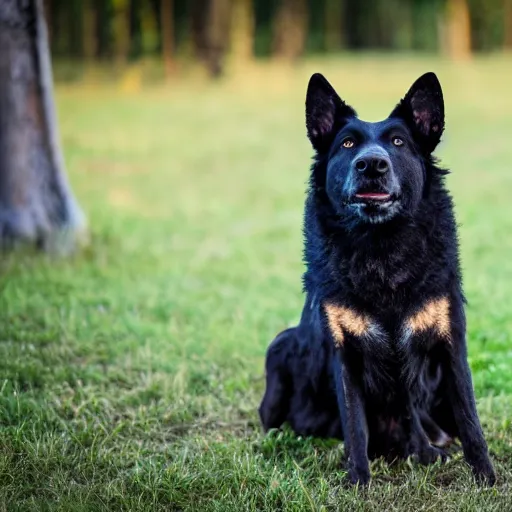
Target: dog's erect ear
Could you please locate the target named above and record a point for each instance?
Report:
(423, 110)
(325, 112)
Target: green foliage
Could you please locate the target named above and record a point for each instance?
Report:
(135, 29)
(401, 25)
(130, 375)
(104, 10)
(263, 16)
(425, 18)
(487, 24)
(316, 25)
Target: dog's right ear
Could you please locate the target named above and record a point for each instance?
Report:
(325, 112)
(423, 110)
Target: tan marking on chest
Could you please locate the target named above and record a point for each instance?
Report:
(434, 315)
(345, 320)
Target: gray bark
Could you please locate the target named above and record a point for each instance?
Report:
(36, 202)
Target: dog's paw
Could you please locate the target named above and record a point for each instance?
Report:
(484, 472)
(429, 454)
(359, 475)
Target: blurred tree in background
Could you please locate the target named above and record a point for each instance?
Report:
(36, 202)
(215, 31)
(290, 28)
(508, 25)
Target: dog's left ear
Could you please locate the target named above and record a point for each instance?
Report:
(325, 113)
(423, 110)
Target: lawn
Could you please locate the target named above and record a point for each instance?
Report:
(130, 374)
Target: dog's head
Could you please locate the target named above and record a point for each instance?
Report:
(374, 172)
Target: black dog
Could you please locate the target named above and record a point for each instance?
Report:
(379, 357)
(301, 391)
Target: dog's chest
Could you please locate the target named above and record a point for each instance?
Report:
(387, 334)
(388, 296)
(389, 273)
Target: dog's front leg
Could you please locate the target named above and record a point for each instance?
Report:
(470, 432)
(460, 390)
(353, 418)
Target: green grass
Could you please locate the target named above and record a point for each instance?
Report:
(130, 374)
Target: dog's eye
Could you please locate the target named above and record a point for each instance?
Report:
(348, 143)
(397, 141)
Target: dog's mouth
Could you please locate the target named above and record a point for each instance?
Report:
(373, 196)
(373, 199)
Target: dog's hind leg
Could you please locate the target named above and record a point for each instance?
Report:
(436, 435)
(421, 443)
(275, 405)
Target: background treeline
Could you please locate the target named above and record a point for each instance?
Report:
(211, 30)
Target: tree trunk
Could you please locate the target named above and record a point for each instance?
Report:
(103, 11)
(122, 42)
(199, 22)
(167, 35)
(508, 25)
(218, 30)
(242, 31)
(36, 202)
(210, 30)
(290, 29)
(89, 31)
(458, 30)
(75, 27)
(136, 28)
(334, 25)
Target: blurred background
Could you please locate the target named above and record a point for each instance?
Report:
(220, 34)
(131, 372)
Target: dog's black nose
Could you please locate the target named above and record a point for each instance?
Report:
(372, 165)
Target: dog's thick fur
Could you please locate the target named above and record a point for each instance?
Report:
(379, 356)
